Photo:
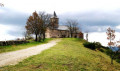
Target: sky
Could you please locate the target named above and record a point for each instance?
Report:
(93, 16)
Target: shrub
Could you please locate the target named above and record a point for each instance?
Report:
(92, 45)
(101, 49)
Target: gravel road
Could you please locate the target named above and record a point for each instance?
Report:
(14, 57)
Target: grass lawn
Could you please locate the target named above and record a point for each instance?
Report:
(22, 46)
(67, 55)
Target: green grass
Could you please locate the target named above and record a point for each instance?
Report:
(67, 55)
(22, 46)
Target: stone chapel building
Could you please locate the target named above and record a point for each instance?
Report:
(59, 31)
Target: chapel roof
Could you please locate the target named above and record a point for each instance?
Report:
(62, 27)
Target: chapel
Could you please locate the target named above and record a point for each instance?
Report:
(59, 31)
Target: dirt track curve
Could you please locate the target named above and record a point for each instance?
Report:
(12, 58)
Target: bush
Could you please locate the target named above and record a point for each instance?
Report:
(101, 49)
(92, 45)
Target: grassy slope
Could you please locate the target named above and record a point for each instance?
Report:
(68, 55)
(21, 46)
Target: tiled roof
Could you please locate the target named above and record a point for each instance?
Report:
(61, 27)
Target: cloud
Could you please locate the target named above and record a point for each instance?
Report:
(9, 32)
(101, 37)
(61, 6)
(12, 23)
(12, 17)
(94, 21)
(118, 27)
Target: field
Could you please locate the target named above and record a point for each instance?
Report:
(67, 55)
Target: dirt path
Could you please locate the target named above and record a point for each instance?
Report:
(12, 58)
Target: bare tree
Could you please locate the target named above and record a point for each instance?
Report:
(112, 45)
(72, 26)
(25, 35)
(75, 27)
(111, 36)
(69, 25)
(46, 20)
(87, 35)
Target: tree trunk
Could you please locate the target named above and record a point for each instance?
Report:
(113, 57)
(36, 37)
(111, 60)
(43, 36)
(39, 37)
(71, 34)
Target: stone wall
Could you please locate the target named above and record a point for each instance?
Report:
(5, 43)
(56, 33)
(62, 34)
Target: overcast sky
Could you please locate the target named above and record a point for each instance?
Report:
(92, 15)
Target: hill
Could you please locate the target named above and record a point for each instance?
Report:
(67, 55)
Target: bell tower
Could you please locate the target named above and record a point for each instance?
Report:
(54, 21)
